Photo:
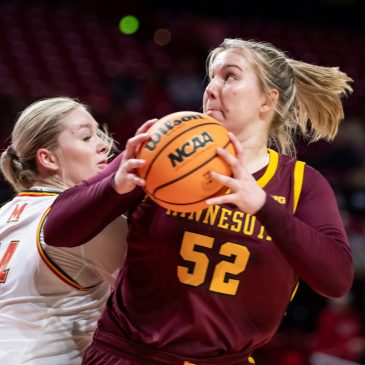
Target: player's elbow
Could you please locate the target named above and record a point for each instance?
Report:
(340, 285)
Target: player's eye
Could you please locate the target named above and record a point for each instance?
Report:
(229, 76)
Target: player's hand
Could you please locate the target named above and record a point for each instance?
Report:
(126, 179)
(245, 193)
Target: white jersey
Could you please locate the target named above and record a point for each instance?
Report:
(51, 297)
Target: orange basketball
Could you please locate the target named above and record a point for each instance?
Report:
(179, 157)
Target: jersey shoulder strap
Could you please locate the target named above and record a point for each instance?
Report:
(298, 182)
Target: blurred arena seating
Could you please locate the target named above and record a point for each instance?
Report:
(63, 50)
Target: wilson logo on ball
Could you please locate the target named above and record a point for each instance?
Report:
(165, 128)
(189, 148)
(179, 159)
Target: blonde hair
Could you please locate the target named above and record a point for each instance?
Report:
(38, 126)
(309, 100)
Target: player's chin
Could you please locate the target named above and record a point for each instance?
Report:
(215, 114)
(101, 166)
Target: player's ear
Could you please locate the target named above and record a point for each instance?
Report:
(269, 101)
(47, 160)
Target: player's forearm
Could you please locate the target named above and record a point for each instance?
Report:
(81, 212)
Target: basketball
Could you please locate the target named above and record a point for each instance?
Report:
(179, 157)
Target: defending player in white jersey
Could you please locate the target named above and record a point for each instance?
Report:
(51, 297)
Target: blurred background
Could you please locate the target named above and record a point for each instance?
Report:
(136, 60)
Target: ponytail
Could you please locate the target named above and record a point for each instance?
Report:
(13, 170)
(319, 91)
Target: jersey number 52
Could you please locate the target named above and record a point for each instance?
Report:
(196, 274)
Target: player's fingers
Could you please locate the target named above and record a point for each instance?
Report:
(237, 146)
(132, 164)
(222, 199)
(224, 180)
(146, 126)
(134, 179)
(133, 144)
(124, 181)
(231, 160)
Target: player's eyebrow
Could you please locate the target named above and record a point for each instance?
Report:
(231, 65)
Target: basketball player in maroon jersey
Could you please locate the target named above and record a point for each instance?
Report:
(212, 286)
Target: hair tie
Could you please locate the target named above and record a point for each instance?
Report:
(11, 152)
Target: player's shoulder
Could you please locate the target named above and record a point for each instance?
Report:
(39, 192)
(288, 165)
(289, 162)
(314, 182)
(29, 198)
(312, 174)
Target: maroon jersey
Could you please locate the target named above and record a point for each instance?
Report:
(215, 282)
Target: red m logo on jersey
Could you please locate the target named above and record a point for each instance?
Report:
(18, 210)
